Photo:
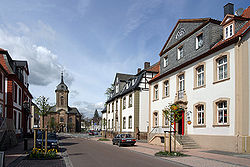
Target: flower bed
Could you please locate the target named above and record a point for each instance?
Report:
(103, 139)
(169, 154)
(37, 153)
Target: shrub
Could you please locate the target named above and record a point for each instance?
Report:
(169, 154)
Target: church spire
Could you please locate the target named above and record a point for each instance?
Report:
(62, 77)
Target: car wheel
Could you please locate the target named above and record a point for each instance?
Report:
(133, 144)
(119, 144)
(113, 143)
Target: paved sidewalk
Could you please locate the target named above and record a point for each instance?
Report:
(16, 157)
(197, 157)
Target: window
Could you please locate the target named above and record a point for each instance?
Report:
(116, 105)
(156, 92)
(165, 61)
(124, 122)
(165, 121)
(109, 108)
(228, 31)
(200, 115)
(1, 82)
(15, 93)
(70, 120)
(117, 88)
(20, 96)
(61, 119)
(222, 68)
(166, 88)
(130, 100)
(200, 75)
(199, 41)
(155, 119)
(130, 122)
(180, 52)
(109, 124)
(62, 100)
(112, 107)
(181, 85)
(124, 102)
(112, 123)
(222, 112)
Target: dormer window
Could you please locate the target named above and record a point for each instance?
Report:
(228, 31)
(199, 41)
(165, 61)
(117, 88)
(180, 52)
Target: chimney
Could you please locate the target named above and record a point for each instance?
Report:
(138, 70)
(229, 9)
(146, 65)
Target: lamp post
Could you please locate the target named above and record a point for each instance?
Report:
(26, 108)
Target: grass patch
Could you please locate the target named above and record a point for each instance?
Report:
(168, 154)
(103, 139)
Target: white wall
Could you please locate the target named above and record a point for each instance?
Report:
(208, 94)
(143, 110)
(128, 111)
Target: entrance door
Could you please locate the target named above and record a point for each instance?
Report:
(180, 125)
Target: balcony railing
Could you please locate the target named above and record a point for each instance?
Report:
(180, 94)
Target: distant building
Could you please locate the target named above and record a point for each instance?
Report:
(63, 118)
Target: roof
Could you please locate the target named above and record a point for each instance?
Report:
(154, 68)
(221, 44)
(204, 21)
(73, 110)
(62, 86)
(123, 77)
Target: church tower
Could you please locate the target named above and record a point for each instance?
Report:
(62, 96)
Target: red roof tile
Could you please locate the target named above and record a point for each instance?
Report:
(154, 68)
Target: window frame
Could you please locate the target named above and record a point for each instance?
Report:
(155, 119)
(124, 123)
(197, 46)
(180, 52)
(130, 100)
(165, 61)
(124, 102)
(164, 118)
(156, 92)
(130, 122)
(195, 114)
(166, 89)
(228, 30)
(196, 86)
(216, 72)
(215, 112)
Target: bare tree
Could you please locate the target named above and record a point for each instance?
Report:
(43, 107)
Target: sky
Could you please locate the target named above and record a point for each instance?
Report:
(92, 40)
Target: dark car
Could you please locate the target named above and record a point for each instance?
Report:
(52, 141)
(124, 139)
(91, 133)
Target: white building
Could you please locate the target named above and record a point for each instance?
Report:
(208, 76)
(128, 107)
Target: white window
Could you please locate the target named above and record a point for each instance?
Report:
(166, 121)
(228, 31)
(124, 122)
(200, 75)
(199, 41)
(200, 115)
(222, 68)
(130, 122)
(166, 88)
(155, 119)
(117, 88)
(181, 82)
(222, 112)
(124, 102)
(156, 92)
(130, 100)
(180, 52)
(165, 62)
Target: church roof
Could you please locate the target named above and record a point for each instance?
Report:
(73, 110)
(62, 86)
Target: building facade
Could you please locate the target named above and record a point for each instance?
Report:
(127, 108)
(204, 68)
(63, 118)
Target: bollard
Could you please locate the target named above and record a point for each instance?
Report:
(25, 142)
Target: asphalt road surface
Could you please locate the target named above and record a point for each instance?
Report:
(84, 152)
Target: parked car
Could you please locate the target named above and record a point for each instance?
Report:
(91, 133)
(123, 139)
(52, 140)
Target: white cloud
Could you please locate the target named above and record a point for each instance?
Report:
(88, 108)
(43, 64)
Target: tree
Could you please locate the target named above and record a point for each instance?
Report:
(109, 91)
(96, 117)
(43, 107)
(172, 113)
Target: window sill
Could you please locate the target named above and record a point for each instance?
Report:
(221, 125)
(165, 126)
(198, 87)
(218, 81)
(155, 100)
(199, 126)
(165, 96)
